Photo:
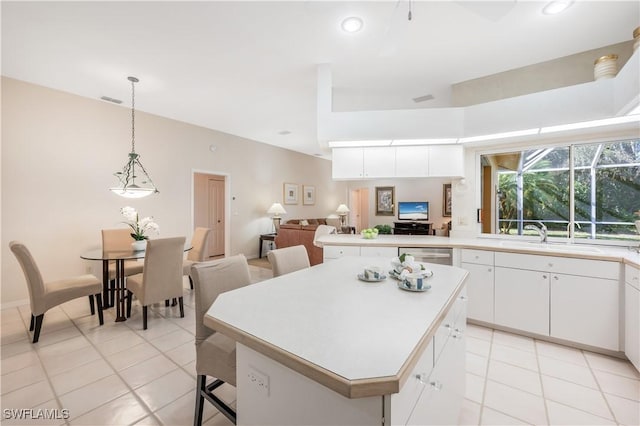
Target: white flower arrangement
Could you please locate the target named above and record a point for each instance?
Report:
(141, 227)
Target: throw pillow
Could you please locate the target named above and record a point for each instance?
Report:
(304, 222)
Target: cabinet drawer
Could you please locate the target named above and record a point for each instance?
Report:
(482, 257)
(563, 265)
(632, 276)
(335, 252)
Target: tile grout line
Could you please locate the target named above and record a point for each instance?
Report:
(602, 393)
(544, 398)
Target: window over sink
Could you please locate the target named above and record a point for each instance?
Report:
(594, 186)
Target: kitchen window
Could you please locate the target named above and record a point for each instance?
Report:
(594, 186)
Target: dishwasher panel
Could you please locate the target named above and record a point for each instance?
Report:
(440, 255)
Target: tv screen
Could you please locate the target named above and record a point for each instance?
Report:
(413, 210)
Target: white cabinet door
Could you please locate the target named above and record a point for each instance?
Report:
(632, 324)
(347, 163)
(480, 291)
(336, 252)
(441, 399)
(522, 300)
(379, 162)
(389, 252)
(412, 161)
(446, 160)
(585, 310)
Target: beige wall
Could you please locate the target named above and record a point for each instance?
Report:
(427, 189)
(566, 71)
(59, 153)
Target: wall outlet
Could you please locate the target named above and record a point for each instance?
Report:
(462, 220)
(259, 380)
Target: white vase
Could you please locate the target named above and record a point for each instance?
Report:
(139, 245)
(638, 226)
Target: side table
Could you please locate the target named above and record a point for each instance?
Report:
(263, 238)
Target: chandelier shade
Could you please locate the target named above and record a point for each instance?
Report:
(134, 179)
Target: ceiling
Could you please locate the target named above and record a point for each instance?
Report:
(249, 68)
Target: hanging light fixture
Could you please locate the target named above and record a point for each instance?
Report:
(133, 185)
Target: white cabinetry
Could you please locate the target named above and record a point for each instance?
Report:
(480, 287)
(441, 398)
(336, 252)
(632, 315)
(347, 163)
(373, 251)
(446, 160)
(571, 299)
(412, 161)
(363, 163)
(522, 299)
(402, 161)
(379, 162)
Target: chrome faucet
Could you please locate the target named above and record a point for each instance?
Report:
(542, 231)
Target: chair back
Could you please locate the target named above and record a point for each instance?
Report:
(162, 276)
(212, 278)
(116, 239)
(288, 259)
(32, 274)
(200, 243)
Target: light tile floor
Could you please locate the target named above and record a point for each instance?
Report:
(119, 374)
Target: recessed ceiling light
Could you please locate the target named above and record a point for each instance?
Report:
(556, 6)
(284, 132)
(352, 24)
(110, 99)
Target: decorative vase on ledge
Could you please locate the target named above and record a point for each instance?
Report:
(638, 226)
(139, 245)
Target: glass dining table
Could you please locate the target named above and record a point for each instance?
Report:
(119, 257)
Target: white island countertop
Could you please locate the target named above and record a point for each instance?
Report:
(513, 245)
(358, 338)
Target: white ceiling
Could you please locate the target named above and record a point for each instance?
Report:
(249, 68)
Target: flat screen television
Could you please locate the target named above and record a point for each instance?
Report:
(413, 210)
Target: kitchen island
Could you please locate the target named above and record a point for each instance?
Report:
(320, 346)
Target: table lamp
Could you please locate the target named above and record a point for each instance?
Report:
(342, 210)
(276, 210)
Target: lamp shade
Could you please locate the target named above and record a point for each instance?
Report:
(342, 209)
(276, 209)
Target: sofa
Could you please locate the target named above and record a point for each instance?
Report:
(301, 231)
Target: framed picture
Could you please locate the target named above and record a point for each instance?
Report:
(308, 195)
(446, 200)
(384, 200)
(290, 193)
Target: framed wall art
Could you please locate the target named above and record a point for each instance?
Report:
(446, 200)
(384, 200)
(290, 193)
(308, 195)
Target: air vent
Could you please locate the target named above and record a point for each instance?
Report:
(108, 99)
(423, 98)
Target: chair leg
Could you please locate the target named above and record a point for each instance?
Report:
(174, 302)
(190, 282)
(166, 302)
(31, 323)
(91, 302)
(144, 317)
(129, 297)
(36, 333)
(207, 393)
(99, 305)
(181, 302)
(200, 389)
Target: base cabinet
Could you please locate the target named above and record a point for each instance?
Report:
(522, 300)
(632, 315)
(480, 284)
(432, 394)
(585, 310)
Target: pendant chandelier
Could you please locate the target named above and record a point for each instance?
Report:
(132, 184)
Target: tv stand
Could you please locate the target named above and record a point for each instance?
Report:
(412, 228)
